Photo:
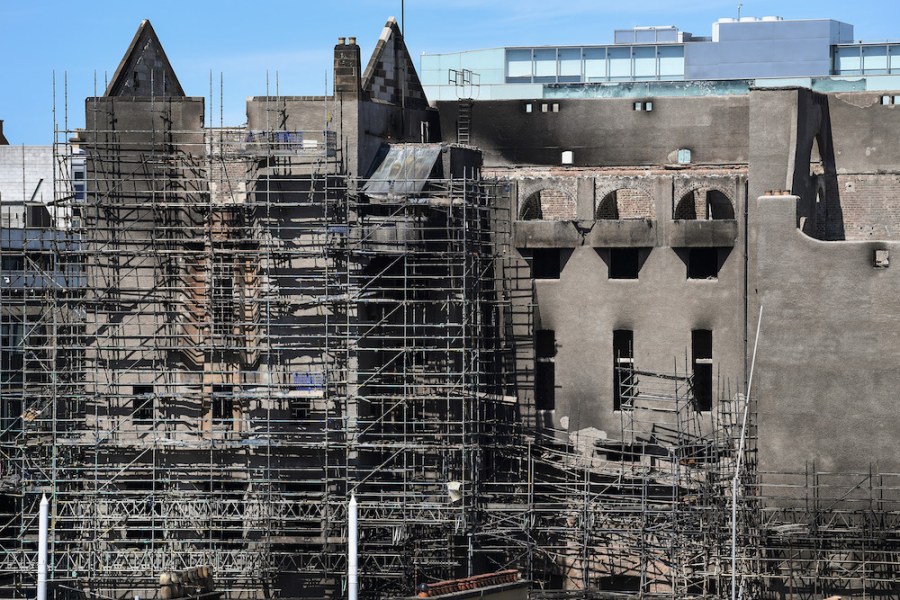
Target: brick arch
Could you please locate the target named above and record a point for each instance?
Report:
(703, 201)
(626, 202)
(547, 200)
(531, 208)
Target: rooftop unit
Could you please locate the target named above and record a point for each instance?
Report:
(659, 34)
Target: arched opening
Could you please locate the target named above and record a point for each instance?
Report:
(608, 207)
(626, 203)
(550, 204)
(531, 208)
(704, 203)
(718, 205)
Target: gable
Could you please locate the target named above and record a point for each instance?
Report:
(145, 70)
(391, 75)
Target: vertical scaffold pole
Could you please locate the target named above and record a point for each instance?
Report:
(42, 549)
(352, 550)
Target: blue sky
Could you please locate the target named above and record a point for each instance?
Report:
(291, 42)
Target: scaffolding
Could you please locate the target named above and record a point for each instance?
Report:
(245, 337)
(226, 336)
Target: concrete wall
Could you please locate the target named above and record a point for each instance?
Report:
(584, 306)
(826, 373)
(865, 133)
(606, 131)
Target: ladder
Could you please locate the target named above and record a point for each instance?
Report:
(464, 121)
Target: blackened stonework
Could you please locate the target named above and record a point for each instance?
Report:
(347, 70)
(391, 75)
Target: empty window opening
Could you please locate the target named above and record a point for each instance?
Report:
(555, 107)
(623, 363)
(37, 216)
(701, 356)
(703, 263)
(718, 205)
(299, 408)
(624, 263)
(143, 403)
(545, 107)
(704, 204)
(222, 403)
(529, 107)
(686, 209)
(545, 369)
(608, 207)
(531, 208)
(222, 295)
(637, 106)
(12, 349)
(546, 263)
(10, 412)
(12, 262)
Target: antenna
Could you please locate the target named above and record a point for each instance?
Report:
(402, 16)
(740, 6)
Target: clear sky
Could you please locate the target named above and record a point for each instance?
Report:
(291, 42)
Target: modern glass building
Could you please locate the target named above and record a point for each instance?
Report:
(740, 53)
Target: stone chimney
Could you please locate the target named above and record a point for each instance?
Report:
(347, 68)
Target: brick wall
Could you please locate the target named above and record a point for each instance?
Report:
(866, 207)
(556, 196)
(634, 204)
(556, 205)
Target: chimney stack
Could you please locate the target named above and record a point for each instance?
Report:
(347, 69)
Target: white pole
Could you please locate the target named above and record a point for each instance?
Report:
(352, 551)
(42, 549)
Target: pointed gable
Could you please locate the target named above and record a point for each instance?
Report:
(145, 69)
(391, 75)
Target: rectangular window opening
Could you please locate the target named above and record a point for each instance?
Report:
(624, 263)
(545, 369)
(222, 403)
(299, 408)
(701, 355)
(703, 263)
(545, 263)
(143, 403)
(623, 362)
(37, 216)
